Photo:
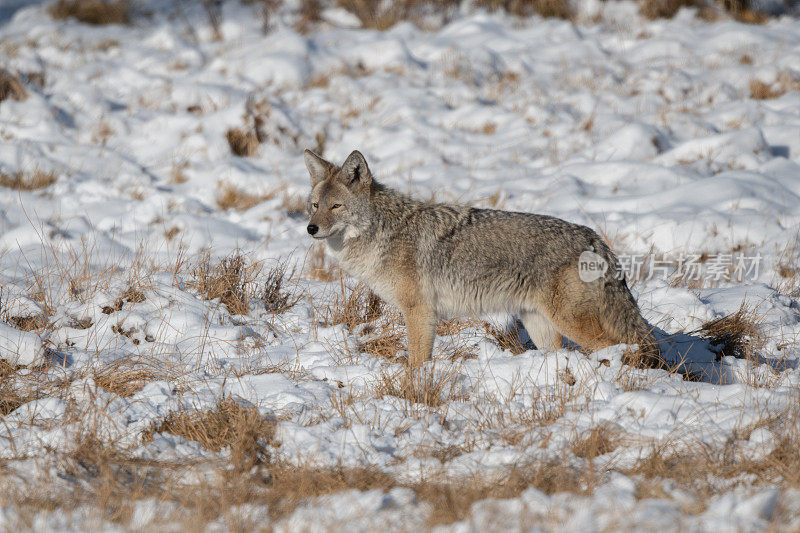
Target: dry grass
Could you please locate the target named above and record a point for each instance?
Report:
(738, 334)
(385, 340)
(236, 283)
(544, 8)
(273, 292)
(309, 13)
(704, 469)
(229, 425)
(378, 15)
(97, 12)
(654, 9)
(353, 306)
(489, 128)
(420, 385)
(453, 499)
(10, 398)
(127, 377)
(294, 205)
(507, 337)
(132, 295)
(763, 91)
(598, 441)
(242, 143)
(230, 281)
(27, 181)
(318, 267)
(11, 87)
(230, 196)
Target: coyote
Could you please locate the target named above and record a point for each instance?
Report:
(433, 260)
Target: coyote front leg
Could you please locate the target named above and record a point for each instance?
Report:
(421, 328)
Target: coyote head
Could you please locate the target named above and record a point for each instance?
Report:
(339, 201)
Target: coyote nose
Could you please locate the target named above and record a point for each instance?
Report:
(312, 229)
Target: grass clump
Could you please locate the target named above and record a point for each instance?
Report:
(276, 298)
(420, 385)
(126, 378)
(738, 335)
(525, 8)
(318, 266)
(95, 12)
(11, 87)
(655, 9)
(230, 281)
(230, 196)
(353, 307)
(508, 337)
(229, 425)
(242, 143)
(27, 181)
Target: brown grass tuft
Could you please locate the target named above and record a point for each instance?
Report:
(318, 267)
(11, 87)
(385, 340)
(276, 298)
(598, 441)
(508, 337)
(230, 280)
(545, 8)
(97, 12)
(309, 13)
(353, 306)
(30, 181)
(294, 205)
(242, 143)
(655, 9)
(763, 91)
(419, 385)
(229, 424)
(230, 196)
(738, 334)
(126, 378)
(453, 499)
(10, 398)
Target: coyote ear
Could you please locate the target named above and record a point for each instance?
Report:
(355, 170)
(318, 168)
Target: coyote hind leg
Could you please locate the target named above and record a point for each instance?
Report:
(541, 331)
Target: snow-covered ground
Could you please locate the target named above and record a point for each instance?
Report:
(644, 130)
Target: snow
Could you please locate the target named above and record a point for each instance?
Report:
(643, 130)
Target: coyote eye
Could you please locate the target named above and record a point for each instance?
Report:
(315, 205)
(336, 206)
